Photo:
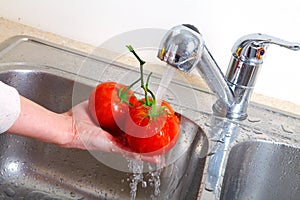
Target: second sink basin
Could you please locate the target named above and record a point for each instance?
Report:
(262, 170)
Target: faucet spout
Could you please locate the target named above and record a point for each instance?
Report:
(215, 79)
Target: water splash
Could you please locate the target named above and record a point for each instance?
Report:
(154, 180)
(136, 166)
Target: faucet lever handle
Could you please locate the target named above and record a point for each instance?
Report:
(289, 45)
(251, 48)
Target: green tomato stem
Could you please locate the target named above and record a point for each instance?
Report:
(132, 84)
(123, 94)
(130, 48)
(153, 112)
(143, 86)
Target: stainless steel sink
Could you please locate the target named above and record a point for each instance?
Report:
(262, 170)
(35, 170)
(263, 151)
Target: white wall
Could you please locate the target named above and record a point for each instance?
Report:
(220, 22)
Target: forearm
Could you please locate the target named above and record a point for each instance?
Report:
(39, 123)
(9, 106)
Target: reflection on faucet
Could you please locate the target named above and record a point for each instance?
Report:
(183, 47)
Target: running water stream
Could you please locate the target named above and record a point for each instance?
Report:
(136, 165)
(164, 83)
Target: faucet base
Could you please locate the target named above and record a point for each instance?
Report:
(220, 110)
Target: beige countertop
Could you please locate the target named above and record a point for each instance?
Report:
(9, 29)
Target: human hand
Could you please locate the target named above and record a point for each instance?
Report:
(88, 135)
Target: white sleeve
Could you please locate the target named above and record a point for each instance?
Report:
(10, 106)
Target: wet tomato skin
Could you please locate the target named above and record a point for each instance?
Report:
(163, 130)
(128, 119)
(108, 109)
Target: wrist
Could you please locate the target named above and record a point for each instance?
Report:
(66, 135)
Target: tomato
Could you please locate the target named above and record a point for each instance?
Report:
(109, 104)
(152, 134)
(139, 125)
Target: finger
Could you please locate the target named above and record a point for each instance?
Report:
(93, 137)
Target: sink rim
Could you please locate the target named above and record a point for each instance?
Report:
(253, 140)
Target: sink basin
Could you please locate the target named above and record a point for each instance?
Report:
(35, 170)
(262, 170)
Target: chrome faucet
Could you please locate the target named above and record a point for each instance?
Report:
(183, 47)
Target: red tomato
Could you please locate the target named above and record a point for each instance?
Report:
(109, 104)
(151, 134)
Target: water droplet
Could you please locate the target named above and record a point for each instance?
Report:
(257, 131)
(254, 119)
(72, 194)
(150, 167)
(207, 124)
(286, 129)
(209, 189)
(245, 128)
(9, 192)
(228, 135)
(144, 184)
